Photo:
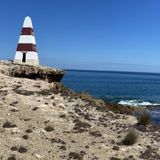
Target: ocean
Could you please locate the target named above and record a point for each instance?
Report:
(126, 88)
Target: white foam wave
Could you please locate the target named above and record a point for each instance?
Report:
(136, 103)
(155, 111)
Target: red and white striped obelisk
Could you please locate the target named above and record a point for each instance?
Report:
(26, 50)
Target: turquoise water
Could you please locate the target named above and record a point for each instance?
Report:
(137, 89)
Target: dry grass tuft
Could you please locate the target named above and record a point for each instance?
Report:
(144, 119)
(131, 138)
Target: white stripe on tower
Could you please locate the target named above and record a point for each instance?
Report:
(27, 23)
(27, 44)
(27, 39)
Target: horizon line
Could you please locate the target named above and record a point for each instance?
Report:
(116, 71)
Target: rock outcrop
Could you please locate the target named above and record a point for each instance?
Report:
(32, 72)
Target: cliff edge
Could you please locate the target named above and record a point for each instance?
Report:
(32, 72)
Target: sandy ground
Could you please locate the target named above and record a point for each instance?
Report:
(35, 124)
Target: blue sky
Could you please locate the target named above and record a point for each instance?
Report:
(87, 34)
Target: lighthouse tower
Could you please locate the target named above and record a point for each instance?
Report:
(26, 50)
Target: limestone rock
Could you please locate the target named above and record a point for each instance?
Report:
(32, 72)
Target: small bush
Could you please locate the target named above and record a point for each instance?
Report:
(9, 125)
(130, 138)
(53, 140)
(25, 137)
(12, 157)
(117, 108)
(49, 128)
(115, 158)
(81, 126)
(144, 118)
(95, 133)
(85, 96)
(22, 149)
(29, 131)
(14, 148)
(35, 109)
(99, 103)
(74, 155)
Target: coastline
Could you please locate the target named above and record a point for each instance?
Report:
(101, 104)
(127, 88)
(42, 120)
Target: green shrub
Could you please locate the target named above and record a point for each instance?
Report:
(8, 124)
(85, 96)
(130, 138)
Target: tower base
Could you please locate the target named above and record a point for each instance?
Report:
(27, 58)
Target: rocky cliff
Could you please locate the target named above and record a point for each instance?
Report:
(32, 72)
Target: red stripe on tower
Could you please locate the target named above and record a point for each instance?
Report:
(27, 31)
(26, 47)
